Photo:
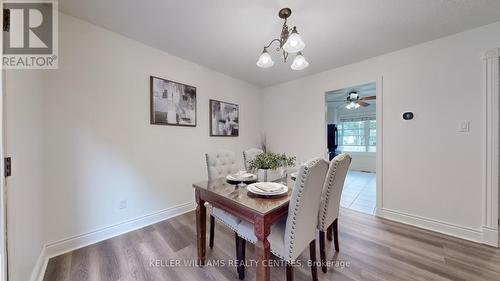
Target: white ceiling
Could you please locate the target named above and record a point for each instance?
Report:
(336, 100)
(364, 90)
(228, 35)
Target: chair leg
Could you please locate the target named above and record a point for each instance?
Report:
(212, 230)
(322, 250)
(241, 266)
(289, 272)
(329, 232)
(336, 234)
(312, 256)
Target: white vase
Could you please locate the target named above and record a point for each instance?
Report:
(268, 175)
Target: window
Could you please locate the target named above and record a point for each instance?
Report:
(358, 134)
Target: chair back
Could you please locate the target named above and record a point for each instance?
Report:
(220, 164)
(249, 155)
(304, 206)
(332, 190)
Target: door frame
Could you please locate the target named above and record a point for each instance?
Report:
(491, 152)
(4, 265)
(380, 121)
(4, 273)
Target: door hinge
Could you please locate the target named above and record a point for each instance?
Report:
(7, 164)
(6, 20)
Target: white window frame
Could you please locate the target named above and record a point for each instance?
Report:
(366, 133)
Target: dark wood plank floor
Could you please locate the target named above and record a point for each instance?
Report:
(370, 249)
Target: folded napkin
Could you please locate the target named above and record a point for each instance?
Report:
(245, 175)
(269, 186)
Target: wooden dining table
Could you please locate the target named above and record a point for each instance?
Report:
(259, 211)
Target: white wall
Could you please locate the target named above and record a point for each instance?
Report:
(432, 174)
(82, 135)
(331, 113)
(363, 161)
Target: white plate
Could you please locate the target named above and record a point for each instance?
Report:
(236, 177)
(252, 188)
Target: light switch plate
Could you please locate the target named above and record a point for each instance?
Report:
(465, 127)
(123, 204)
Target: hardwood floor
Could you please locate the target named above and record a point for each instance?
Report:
(371, 249)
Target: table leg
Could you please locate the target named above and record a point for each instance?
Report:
(262, 249)
(201, 228)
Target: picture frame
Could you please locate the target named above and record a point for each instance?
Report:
(172, 103)
(224, 119)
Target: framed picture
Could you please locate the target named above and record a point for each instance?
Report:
(172, 103)
(224, 119)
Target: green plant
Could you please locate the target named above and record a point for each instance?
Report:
(271, 161)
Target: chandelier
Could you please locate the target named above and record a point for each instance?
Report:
(289, 42)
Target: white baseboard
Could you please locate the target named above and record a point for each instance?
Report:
(475, 235)
(72, 243)
(490, 236)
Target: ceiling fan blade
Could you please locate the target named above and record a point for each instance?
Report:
(363, 104)
(369, 98)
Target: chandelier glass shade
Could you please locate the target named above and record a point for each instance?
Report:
(294, 43)
(299, 62)
(265, 60)
(289, 42)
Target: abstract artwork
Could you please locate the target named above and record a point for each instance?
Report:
(172, 103)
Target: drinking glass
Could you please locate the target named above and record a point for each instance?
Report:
(283, 172)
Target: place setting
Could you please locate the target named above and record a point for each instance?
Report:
(241, 178)
(267, 189)
(257, 189)
(264, 189)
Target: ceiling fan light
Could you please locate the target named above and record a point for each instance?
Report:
(352, 105)
(265, 60)
(299, 62)
(294, 43)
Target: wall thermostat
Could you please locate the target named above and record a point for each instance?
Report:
(408, 115)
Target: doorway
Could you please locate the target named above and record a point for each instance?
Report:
(351, 120)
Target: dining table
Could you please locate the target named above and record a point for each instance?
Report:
(259, 211)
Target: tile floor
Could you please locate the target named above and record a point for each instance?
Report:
(359, 192)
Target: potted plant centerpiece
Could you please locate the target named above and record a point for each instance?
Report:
(267, 165)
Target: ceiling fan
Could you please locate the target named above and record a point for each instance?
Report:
(354, 101)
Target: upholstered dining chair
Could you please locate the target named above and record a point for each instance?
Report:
(219, 165)
(291, 235)
(330, 203)
(249, 155)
